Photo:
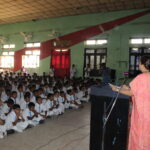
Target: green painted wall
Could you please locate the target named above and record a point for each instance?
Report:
(118, 38)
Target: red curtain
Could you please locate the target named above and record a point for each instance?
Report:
(60, 60)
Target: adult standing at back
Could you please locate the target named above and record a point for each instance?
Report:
(73, 71)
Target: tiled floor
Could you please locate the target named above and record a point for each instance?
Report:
(67, 132)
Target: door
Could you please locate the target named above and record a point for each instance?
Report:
(60, 60)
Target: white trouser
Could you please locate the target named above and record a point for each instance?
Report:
(78, 101)
(56, 111)
(2, 128)
(85, 99)
(61, 108)
(19, 127)
(74, 106)
(67, 105)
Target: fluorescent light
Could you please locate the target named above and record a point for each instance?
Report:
(90, 42)
(100, 42)
(136, 41)
(147, 41)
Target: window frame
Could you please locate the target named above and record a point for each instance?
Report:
(95, 69)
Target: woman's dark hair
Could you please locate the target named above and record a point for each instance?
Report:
(145, 60)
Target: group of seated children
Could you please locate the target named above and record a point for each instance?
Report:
(28, 100)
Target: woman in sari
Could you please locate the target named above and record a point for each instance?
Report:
(139, 90)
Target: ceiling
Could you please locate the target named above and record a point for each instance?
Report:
(12, 11)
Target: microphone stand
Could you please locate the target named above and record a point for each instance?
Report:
(106, 117)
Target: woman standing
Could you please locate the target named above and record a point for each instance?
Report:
(139, 137)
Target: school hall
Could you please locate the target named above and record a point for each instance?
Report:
(52, 54)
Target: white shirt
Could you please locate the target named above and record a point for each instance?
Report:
(10, 118)
(61, 99)
(16, 101)
(49, 104)
(24, 105)
(4, 98)
(80, 95)
(20, 95)
(27, 113)
(33, 99)
(40, 108)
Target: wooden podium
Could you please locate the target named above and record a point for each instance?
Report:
(115, 137)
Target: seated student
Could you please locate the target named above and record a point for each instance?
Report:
(40, 108)
(82, 95)
(50, 104)
(14, 97)
(30, 114)
(57, 107)
(41, 93)
(6, 109)
(75, 93)
(71, 100)
(25, 102)
(61, 101)
(20, 94)
(2, 129)
(46, 89)
(65, 101)
(6, 96)
(35, 94)
(15, 120)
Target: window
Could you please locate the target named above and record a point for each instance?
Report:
(31, 59)
(96, 42)
(32, 45)
(139, 47)
(7, 60)
(135, 41)
(147, 40)
(59, 50)
(9, 46)
(95, 58)
(134, 60)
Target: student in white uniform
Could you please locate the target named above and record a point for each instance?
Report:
(66, 102)
(3, 132)
(14, 97)
(61, 101)
(6, 109)
(71, 100)
(40, 108)
(6, 96)
(50, 104)
(30, 115)
(82, 95)
(46, 89)
(57, 106)
(25, 102)
(15, 120)
(35, 94)
(20, 95)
